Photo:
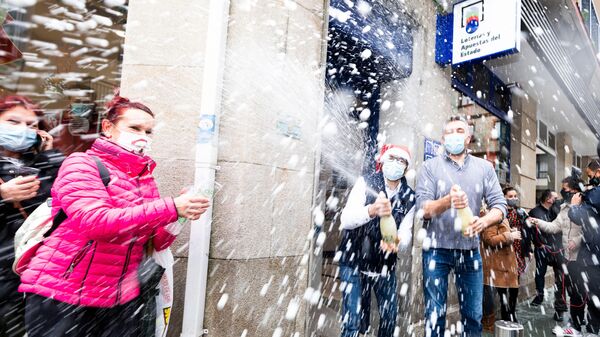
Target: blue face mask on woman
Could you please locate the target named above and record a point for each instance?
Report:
(16, 138)
(454, 143)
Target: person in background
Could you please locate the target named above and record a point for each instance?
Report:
(547, 253)
(593, 172)
(517, 221)
(367, 262)
(500, 272)
(83, 280)
(28, 166)
(446, 184)
(571, 240)
(585, 212)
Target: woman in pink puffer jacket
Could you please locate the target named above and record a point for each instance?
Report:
(83, 279)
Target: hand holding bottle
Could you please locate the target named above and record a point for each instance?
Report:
(390, 247)
(381, 207)
(458, 197)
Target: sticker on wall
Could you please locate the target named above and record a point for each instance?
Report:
(206, 129)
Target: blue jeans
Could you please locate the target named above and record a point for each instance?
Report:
(437, 264)
(356, 302)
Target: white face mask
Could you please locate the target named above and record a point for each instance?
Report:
(393, 170)
(136, 143)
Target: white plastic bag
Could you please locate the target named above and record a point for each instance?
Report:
(164, 300)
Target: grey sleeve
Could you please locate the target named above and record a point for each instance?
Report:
(426, 185)
(493, 195)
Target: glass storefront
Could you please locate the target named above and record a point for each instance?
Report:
(69, 62)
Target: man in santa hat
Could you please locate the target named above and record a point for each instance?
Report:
(367, 262)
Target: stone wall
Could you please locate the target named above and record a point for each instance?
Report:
(267, 150)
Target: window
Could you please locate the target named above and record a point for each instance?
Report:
(542, 133)
(542, 170)
(551, 140)
(71, 77)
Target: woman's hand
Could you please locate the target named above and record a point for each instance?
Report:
(191, 207)
(577, 199)
(515, 234)
(20, 188)
(531, 222)
(47, 140)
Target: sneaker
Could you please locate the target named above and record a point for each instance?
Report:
(537, 300)
(565, 332)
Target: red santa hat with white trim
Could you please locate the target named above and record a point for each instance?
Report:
(388, 150)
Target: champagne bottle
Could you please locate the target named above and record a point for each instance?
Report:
(388, 228)
(464, 217)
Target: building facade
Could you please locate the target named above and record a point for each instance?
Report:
(284, 102)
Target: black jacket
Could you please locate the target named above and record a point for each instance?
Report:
(10, 217)
(540, 239)
(587, 216)
(360, 246)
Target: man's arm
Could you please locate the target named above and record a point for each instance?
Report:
(425, 192)
(494, 198)
(356, 213)
(432, 208)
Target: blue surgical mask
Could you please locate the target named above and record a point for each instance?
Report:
(454, 143)
(16, 138)
(393, 170)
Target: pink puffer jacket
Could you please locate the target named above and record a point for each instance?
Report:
(91, 259)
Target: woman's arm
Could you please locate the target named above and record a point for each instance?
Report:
(86, 201)
(549, 227)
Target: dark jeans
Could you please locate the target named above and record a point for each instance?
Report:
(12, 307)
(576, 290)
(543, 259)
(437, 264)
(593, 284)
(488, 300)
(45, 317)
(356, 302)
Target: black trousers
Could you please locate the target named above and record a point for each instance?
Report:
(45, 317)
(508, 303)
(593, 283)
(12, 307)
(543, 259)
(576, 290)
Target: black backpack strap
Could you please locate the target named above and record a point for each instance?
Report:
(61, 215)
(104, 174)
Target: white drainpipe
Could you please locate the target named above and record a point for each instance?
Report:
(205, 167)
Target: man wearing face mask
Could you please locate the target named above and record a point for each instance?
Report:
(593, 172)
(367, 263)
(546, 247)
(567, 257)
(447, 185)
(585, 212)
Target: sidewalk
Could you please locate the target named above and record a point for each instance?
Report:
(538, 321)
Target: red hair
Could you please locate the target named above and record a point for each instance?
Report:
(13, 101)
(118, 105)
